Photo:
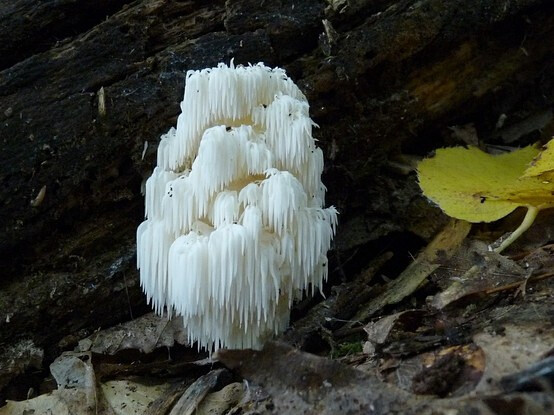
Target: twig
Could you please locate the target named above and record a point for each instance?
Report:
(518, 284)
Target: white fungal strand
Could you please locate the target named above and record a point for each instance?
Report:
(235, 227)
(225, 208)
(282, 196)
(155, 191)
(287, 117)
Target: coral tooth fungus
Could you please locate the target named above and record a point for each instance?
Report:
(235, 226)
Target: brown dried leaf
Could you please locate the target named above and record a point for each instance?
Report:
(512, 348)
(477, 271)
(76, 393)
(145, 334)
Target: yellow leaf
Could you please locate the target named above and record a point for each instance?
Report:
(470, 184)
(475, 186)
(543, 164)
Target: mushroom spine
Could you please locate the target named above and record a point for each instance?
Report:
(235, 226)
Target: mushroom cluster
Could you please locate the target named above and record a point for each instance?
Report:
(235, 227)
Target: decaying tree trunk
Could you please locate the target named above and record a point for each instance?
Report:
(87, 87)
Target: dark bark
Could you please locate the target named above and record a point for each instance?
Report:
(385, 77)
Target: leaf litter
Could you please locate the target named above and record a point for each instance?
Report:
(461, 330)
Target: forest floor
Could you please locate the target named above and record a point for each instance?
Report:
(461, 330)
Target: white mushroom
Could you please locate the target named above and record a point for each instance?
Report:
(235, 227)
